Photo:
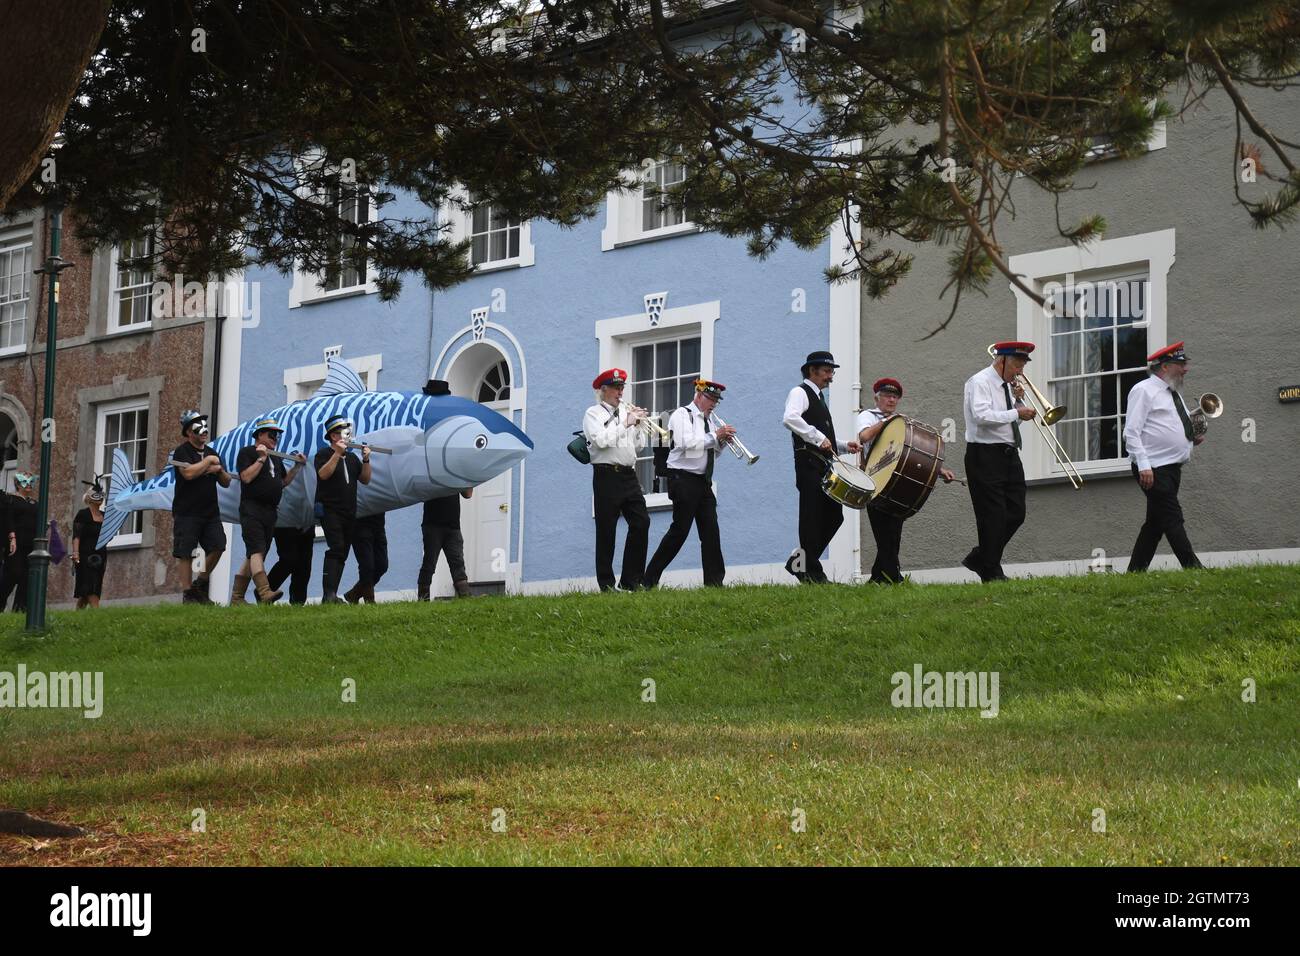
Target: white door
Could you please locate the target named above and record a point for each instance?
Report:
(487, 539)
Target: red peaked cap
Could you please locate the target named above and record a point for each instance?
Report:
(890, 383)
(1013, 348)
(1170, 353)
(611, 376)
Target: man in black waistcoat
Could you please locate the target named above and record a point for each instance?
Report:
(809, 418)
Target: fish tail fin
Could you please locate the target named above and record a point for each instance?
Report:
(115, 515)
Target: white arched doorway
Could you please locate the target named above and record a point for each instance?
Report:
(482, 373)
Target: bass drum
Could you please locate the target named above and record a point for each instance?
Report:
(904, 463)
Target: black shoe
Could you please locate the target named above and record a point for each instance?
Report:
(189, 596)
(789, 566)
(331, 597)
(968, 563)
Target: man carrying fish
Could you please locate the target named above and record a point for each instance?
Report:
(263, 482)
(196, 517)
(337, 472)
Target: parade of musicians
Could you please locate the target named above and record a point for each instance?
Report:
(710, 432)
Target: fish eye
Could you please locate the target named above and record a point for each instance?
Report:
(481, 442)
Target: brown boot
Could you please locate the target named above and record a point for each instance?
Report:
(239, 589)
(264, 593)
(462, 588)
(353, 595)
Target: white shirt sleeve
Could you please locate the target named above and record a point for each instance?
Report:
(1139, 407)
(985, 410)
(607, 436)
(796, 403)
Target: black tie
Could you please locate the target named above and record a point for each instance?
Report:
(1015, 425)
(1182, 413)
(708, 468)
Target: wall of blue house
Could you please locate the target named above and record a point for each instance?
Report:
(551, 309)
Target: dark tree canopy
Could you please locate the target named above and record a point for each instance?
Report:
(919, 115)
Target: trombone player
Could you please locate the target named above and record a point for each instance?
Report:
(614, 433)
(1159, 436)
(690, 484)
(994, 412)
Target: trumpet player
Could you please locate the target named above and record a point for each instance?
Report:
(1159, 437)
(196, 517)
(262, 483)
(690, 475)
(337, 472)
(614, 433)
(994, 413)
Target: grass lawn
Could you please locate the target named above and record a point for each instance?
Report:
(1118, 693)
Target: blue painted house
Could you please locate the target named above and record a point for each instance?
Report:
(638, 286)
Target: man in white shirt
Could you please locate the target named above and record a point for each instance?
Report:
(994, 475)
(614, 433)
(886, 528)
(690, 475)
(1159, 437)
(808, 417)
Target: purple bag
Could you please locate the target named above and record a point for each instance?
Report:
(57, 551)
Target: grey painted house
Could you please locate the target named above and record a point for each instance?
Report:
(1230, 291)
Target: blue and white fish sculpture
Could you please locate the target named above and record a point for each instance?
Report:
(441, 444)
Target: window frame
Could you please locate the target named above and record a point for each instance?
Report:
(308, 287)
(114, 325)
(301, 382)
(624, 212)
(618, 336)
(138, 403)
(458, 213)
(654, 340)
(1152, 252)
(11, 242)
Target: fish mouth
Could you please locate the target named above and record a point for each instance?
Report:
(473, 453)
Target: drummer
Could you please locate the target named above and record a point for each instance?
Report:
(886, 528)
(808, 417)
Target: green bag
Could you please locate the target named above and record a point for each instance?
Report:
(578, 449)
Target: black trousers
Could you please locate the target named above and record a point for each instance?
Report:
(293, 553)
(617, 492)
(693, 503)
(443, 539)
(997, 493)
(370, 544)
(339, 531)
(14, 580)
(1164, 519)
(819, 516)
(887, 529)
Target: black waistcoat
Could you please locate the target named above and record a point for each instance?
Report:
(819, 417)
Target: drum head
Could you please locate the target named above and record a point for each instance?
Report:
(887, 451)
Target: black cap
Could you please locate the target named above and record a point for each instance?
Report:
(436, 386)
(818, 358)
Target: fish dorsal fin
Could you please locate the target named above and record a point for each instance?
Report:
(340, 380)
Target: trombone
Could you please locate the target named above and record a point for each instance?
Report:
(1047, 416)
(736, 445)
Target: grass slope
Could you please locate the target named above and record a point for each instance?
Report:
(1122, 693)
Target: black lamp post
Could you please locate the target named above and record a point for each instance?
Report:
(39, 563)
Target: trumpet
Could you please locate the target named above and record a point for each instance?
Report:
(653, 428)
(1047, 416)
(735, 444)
(1208, 406)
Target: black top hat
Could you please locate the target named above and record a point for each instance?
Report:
(436, 386)
(817, 358)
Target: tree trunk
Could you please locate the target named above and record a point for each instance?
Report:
(44, 49)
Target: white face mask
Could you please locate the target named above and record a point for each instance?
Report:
(346, 434)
